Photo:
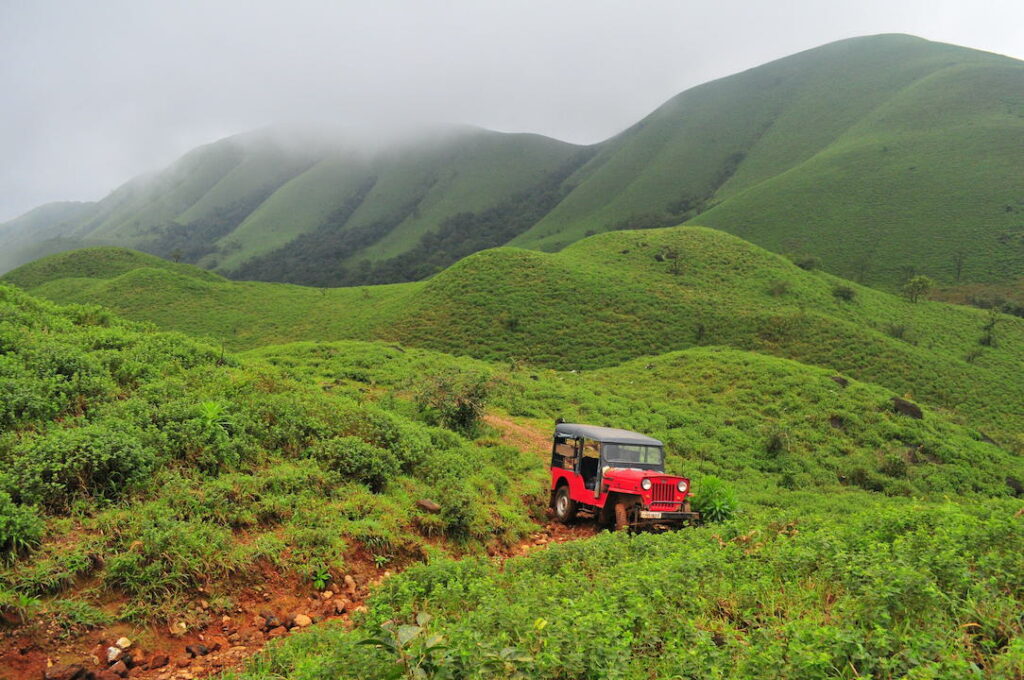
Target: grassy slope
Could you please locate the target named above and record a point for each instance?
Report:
(879, 154)
(905, 187)
(488, 170)
(298, 207)
(815, 579)
(772, 423)
(605, 300)
(813, 153)
(796, 587)
(161, 466)
(38, 232)
(131, 211)
(415, 188)
(101, 263)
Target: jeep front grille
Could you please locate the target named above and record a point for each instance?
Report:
(663, 491)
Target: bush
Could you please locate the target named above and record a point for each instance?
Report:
(714, 500)
(844, 293)
(917, 287)
(357, 460)
(97, 461)
(896, 330)
(807, 262)
(21, 529)
(778, 288)
(454, 400)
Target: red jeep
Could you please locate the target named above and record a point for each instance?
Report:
(615, 475)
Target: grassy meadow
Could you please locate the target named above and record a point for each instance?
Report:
(233, 434)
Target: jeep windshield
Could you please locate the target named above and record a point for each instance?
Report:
(633, 454)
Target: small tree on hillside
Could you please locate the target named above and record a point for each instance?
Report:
(917, 287)
(959, 258)
(454, 400)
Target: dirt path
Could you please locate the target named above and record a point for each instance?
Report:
(522, 437)
(278, 607)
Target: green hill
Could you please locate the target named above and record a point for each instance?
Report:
(151, 477)
(879, 155)
(281, 206)
(604, 300)
(39, 232)
(883, 156)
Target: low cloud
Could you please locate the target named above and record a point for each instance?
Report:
(95, 93)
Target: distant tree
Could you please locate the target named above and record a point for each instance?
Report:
(917, 287)
(176, 254)
(454, 400)
(959, 257)
(988, 339)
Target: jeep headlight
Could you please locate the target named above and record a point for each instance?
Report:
(682, 486)
(645, 484)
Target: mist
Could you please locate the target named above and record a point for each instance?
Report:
(96, 93)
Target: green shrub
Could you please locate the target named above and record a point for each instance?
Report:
(715, 500)
(356, 460)
(844, 293)
(807, 262)
(917, 287)
(94, 461)
(455, 400)
(21, 529)
(894, 465)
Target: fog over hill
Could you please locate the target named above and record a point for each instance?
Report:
(882, 156)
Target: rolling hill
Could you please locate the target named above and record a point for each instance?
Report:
(882, 156)
(604, 300)
(879, 155)
(152, 478)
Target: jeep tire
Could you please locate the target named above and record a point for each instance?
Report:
(565, 507)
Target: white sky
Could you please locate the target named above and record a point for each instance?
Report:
(93, 92)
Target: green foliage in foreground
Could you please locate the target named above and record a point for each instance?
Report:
(293, 457)
(814, 578)
(715, 500)
(157, 466)
(811, 587)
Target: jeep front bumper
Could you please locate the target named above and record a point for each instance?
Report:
(657, 516)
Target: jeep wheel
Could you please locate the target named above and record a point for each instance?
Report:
(625, 514)
(565, 507)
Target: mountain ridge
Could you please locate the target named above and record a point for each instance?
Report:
(880, 155)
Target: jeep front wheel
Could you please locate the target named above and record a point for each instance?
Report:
(565, 507)
(625, 514)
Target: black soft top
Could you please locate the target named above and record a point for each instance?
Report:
(609, 435)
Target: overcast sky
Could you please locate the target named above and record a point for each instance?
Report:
(93, 92)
